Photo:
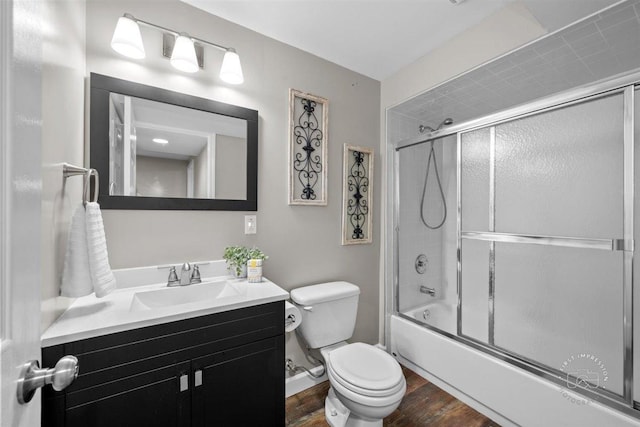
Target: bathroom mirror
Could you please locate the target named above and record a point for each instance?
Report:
(158, 149)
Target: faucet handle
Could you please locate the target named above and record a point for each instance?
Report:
(195, 276)
(173, 277)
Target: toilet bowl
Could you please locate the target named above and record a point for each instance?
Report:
(366, 383)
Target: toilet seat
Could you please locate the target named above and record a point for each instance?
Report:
(365, 370)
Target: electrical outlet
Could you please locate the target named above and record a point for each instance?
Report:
(250, 225)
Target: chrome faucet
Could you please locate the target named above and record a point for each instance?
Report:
(189, 275)
(185, 274)
(429, 291)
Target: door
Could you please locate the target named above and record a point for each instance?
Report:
(156, 397)
(240, 387)
(20, 199)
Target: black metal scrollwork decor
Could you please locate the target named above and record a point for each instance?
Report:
(308, 164)
(356, 215)
(308, 122)
(358, 185)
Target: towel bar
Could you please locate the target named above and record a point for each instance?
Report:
(71, 170)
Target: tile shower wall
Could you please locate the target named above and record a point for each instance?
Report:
(414, 237)
(600, 46)
(401, 127)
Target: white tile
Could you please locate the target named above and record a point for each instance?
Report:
(604, 45)
(616, 15)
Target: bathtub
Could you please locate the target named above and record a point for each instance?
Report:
(436, 314)
(508, 395)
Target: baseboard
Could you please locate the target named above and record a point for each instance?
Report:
(302, 381)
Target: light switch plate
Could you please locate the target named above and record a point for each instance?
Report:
(250, 225)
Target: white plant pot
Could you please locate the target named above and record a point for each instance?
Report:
(243, 272)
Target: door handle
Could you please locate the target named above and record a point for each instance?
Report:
(184, 382)
(32, 377)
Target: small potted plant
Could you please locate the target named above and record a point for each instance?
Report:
(237, 257)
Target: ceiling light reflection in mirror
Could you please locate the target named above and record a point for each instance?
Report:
(163, 150)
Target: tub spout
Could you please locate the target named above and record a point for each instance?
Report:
(428, 291)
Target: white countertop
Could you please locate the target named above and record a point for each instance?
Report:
(90, 317)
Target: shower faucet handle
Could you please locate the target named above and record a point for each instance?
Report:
(427, 290)
(421, 264)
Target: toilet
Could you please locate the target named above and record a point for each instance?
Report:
(366, 383)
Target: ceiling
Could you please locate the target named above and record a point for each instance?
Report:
(379, 37)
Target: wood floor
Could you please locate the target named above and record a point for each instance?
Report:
(424, 404)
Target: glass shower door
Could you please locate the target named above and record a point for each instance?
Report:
(542, 211)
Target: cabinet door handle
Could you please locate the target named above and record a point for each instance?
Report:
(197, 378)
(184, 382)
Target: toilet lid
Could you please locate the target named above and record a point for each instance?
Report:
(365, 367)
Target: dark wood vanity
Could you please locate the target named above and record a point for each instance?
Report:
(222, 369)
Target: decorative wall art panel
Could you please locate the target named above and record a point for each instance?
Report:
(356, 195)
(308, 128)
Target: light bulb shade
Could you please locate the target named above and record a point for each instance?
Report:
(127, 40)
(184, 55)
(231, 71)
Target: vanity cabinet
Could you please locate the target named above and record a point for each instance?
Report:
(222, 369)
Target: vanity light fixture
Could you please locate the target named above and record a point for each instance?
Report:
(185, 51)
(126, 38)
(231, 71)
(183, 56)
(160, 141)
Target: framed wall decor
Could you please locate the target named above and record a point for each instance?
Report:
(308, 128)
(357, 195)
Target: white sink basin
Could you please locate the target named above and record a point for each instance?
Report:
(169, 297)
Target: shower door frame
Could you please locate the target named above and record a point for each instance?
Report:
(626, 85)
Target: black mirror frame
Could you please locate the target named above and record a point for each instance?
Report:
(102, 86)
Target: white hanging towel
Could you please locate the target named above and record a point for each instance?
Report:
(86, 264)
(99, 268)
(76, 277)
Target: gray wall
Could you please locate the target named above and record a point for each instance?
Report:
(63, 72)
(157, 177)
(201, 174)
(231, 167)
(303, 243)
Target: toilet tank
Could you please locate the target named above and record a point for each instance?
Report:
(328, 312)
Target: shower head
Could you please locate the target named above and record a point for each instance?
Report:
(445, 122)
